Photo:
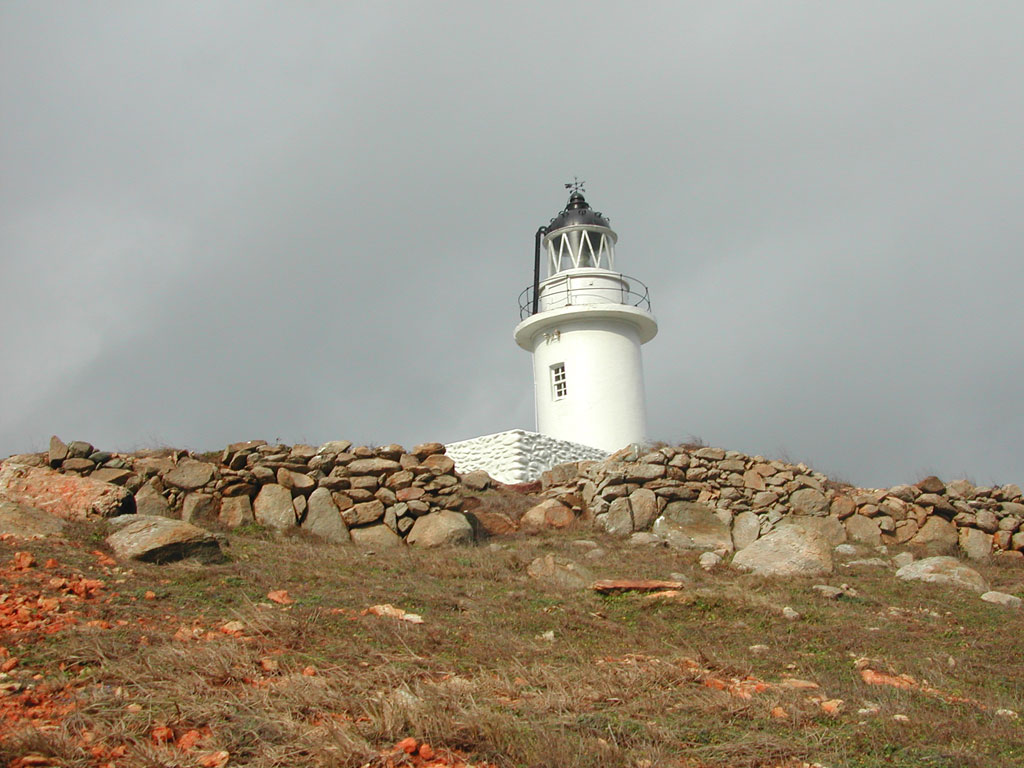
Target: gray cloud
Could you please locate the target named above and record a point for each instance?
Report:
(223, 221)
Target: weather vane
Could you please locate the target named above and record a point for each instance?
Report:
(576, 185)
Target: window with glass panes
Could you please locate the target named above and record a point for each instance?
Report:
(559, 387)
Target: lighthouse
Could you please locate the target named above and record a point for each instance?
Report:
(584, 323)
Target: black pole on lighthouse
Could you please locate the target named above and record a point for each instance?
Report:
(536, 268)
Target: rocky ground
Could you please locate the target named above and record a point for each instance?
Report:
(626, 613)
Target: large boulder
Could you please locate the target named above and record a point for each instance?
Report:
(67, 496)
(937, 537)
(295, 481)
(829, 528)
(808, 501)
(190, 475)
(440, 529)
(149, 500)
(323, 518)
(477, 480)
(689, 525)
(618, 520)
(199, 508)
(550, 513)
(364, 513)
(58, 452)
(644, 505)
(863, 530)
(943, 570)
(160, 540)
(746, 527)
(977, 545)
(235, 511)
(273, 507)
(788, 550)
(24, 522)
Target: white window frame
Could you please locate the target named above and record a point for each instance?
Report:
(559, 383)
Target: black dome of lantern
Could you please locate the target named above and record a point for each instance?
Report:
(578, 212)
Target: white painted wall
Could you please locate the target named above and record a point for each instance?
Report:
(604, 405)
(588, 323)
(517, 456)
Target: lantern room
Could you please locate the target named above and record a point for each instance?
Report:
(579, 237)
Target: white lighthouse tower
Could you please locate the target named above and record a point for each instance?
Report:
(584, 324)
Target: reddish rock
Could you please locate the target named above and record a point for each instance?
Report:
(362, 514)
(410, 494)
(493, 523)
(342, 500)
(399, 480)
(295, 481)
(78, 465)
(932, 484)
(423, 450)
(235, 511)
(842, 506)
(548, 514)
(753, 480)
(439, 463)
(616, 586)
(67, 496)
(373, 466)
(391, 451)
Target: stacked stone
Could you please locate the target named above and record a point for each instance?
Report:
(749, 495)
(937, 515)
(373, 496)
(82, 458)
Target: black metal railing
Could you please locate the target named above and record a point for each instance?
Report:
(557, 297)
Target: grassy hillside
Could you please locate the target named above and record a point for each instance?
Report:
(184, 664)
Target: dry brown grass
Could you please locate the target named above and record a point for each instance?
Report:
(318, 683)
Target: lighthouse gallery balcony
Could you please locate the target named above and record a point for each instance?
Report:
(582, 287)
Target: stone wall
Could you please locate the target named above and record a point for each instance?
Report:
(517, 456)
(687, 496)
(732, 499)
(373, 496)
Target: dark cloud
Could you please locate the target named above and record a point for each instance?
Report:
(223, 221)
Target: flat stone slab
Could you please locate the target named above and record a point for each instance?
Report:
(155, 539)
(943, 570)
(616, 586)
(26, 522)
(67, 496)
(787, 551)
(1002, 598)
(190, 475)
(689, 525)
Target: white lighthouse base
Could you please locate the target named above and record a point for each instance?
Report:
(517, 456)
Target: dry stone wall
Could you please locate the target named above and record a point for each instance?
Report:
(708, 498)
(691, 497)
(375, 496)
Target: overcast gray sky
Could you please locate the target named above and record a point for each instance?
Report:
(309, 221)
